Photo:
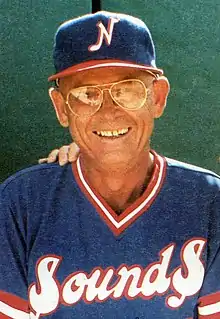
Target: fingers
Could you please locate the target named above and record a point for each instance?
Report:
(67, 153)
(42, 160)
(73, 152)
(52, 157)
(63, 155)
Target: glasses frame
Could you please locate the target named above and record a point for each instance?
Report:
(104, 87)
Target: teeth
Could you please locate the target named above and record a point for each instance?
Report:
(112, 133)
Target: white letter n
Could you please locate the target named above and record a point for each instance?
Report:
(103, 33)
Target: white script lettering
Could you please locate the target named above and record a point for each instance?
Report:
(130, 282)
(103, 34)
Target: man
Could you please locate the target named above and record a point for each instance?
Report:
(123, 232)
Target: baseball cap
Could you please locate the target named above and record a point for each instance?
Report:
(103, 39)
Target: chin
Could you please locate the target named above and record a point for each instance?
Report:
(114, 160)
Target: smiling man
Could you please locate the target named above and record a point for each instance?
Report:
(122, 232)
(111, 118)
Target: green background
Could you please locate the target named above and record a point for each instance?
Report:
(187, 37)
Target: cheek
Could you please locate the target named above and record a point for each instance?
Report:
(145, 125)
(73, 126)
(145, 119)
(77, 128)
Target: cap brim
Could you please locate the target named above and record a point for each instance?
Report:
(88, 65)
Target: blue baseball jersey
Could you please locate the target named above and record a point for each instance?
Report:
(66, 254)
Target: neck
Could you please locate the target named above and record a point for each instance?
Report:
(120, 187)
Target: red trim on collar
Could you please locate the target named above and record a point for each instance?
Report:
(118, 223)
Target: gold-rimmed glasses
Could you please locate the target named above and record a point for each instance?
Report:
(130, 94)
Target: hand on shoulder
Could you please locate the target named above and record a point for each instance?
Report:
(63, 155)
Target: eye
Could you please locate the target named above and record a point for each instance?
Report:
(118, 92)
(86, 95)
(81, 94)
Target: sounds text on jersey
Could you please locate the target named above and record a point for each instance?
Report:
(131, 282)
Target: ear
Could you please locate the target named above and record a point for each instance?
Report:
(161, 89)
(59, 106)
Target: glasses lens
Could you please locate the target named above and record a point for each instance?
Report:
(84, 100)
(130, 94)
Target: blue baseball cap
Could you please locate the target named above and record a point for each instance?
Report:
(103, 39)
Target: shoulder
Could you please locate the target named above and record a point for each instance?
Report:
(37, 175)
(187, 168)
(193, 177)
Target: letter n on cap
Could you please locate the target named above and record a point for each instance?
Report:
(103, 34)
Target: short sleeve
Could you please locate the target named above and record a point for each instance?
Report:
(13, 264)
(209, 299)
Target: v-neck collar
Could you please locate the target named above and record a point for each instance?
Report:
(118, 223)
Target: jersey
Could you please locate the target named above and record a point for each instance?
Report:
(66, 254)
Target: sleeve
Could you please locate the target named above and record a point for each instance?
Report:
(13, 265)
(209, 300)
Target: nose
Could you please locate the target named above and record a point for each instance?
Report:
(108, 102)
(109, 110)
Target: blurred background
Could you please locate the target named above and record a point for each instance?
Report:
(187, 38)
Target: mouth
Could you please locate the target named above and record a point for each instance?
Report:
(114, 134)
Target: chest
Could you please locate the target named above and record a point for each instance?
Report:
(156, 263)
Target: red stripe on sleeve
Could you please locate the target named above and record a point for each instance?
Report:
(209, 299)
(209, 306)
(13, 301)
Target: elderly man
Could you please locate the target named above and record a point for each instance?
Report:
(122, 232)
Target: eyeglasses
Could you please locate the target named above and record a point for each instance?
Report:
(86, 100)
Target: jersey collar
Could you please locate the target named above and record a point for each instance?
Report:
(118, 223)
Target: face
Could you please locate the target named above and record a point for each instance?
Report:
(93, 133)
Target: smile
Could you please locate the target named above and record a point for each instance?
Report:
(114, 133)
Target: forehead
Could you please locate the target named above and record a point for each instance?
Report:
(103, 75)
